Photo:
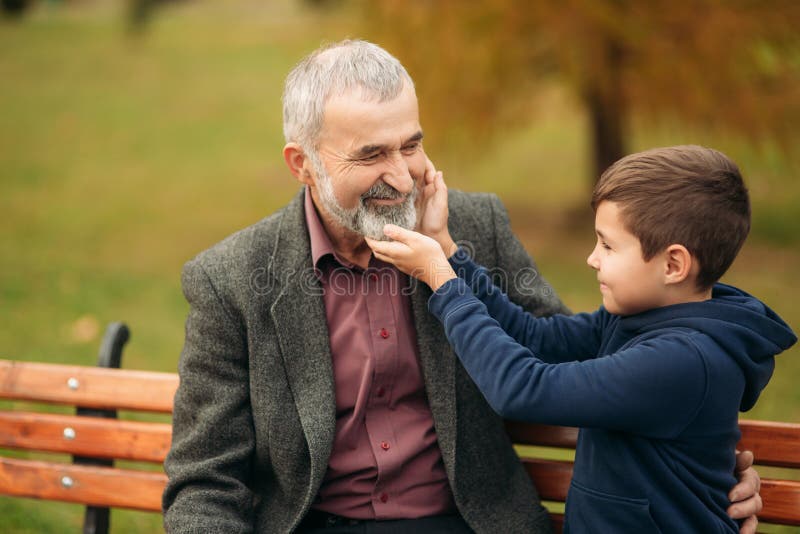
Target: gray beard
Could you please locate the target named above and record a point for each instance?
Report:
(365, 219)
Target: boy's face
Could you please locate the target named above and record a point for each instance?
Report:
(628, 283)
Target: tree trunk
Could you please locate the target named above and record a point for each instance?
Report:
(606, 106)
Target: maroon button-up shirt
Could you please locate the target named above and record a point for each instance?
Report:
(385, 462)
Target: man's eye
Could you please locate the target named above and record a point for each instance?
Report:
(371, 157)
(410, 149)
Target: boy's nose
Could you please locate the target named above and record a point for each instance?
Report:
(592, 260)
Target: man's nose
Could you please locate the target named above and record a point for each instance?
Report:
(398, 175)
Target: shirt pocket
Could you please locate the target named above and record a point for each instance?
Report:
(589, 510)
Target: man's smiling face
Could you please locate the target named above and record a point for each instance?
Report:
(370, 162)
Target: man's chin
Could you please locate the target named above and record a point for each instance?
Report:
(375, 230)
(381, 237)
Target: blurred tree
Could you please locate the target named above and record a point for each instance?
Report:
(140, 13)
(14, 8)
(732, 64)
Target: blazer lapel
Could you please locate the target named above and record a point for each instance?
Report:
(438, 369)
(299, 317)
(438, 361)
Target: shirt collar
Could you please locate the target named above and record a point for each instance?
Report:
(321, 245)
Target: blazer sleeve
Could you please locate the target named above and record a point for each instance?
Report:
(209, 463)
(655, 388)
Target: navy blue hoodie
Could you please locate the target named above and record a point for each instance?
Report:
(656, 394)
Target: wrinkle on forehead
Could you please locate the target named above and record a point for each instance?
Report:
(351, 123)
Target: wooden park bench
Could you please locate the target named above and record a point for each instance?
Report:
(96, 438)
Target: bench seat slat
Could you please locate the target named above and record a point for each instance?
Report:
(92, 436)
(96, 486)
(93, 387)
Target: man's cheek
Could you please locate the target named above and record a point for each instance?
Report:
(417, 170)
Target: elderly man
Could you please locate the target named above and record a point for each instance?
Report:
(316, 393)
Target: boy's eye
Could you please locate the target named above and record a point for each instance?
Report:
(605, 245)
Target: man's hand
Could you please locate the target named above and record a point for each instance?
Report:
(745, 500)
(415, 254)
(433, 210)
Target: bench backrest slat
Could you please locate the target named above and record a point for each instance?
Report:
(90, 387)
(772, 443)
(97, 486)
(85, 436)
(89, 436)
(781, 502)
(552, 477)
(563, 437)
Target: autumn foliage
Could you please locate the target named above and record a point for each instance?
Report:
(732, 65)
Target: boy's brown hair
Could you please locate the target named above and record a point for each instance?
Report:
(688, 195)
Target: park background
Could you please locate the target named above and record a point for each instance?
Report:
(133, 137)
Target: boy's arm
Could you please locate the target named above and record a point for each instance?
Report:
(553, 339)
(622, 392)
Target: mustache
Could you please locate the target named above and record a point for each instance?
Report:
(383, 191)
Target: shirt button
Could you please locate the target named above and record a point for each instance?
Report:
(381, 392)
(384, 497)
(384, 333)
(385, 446)
(373, 277)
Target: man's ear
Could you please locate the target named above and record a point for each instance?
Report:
(298, 163)
(678, 264)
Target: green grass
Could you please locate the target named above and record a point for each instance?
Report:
(121, 158)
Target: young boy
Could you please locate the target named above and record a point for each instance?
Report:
(656, 377)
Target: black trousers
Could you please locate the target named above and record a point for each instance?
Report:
(315, 523)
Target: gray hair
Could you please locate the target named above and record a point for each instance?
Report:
(333, 70)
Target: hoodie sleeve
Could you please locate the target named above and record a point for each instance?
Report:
(559, 338)
(654, 388)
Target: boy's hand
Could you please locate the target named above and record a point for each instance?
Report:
(415, 254)
(746, 502)
(433, 212)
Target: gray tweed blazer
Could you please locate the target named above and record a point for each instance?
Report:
(254, 414)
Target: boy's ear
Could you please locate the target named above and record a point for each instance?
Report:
(678, 264)
(298, 163)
